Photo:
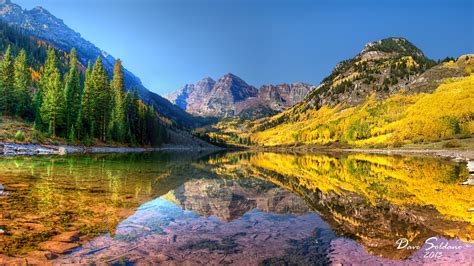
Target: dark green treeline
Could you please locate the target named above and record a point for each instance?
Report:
(81, 106)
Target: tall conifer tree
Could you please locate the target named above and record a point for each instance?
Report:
(52, 108)
(118, 112)
(102, 99)
(22, 80)
(7, 103)
(87, 105)
(72, 92)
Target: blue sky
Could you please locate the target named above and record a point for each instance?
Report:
(168, 43)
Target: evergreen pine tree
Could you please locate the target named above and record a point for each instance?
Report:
(86, 117)
(118, 112)
(53, 97)
(72, 92)
(102, 99)
(22, 79)
(7, 103)
(129, 118)
(135, 123)
(37, 102)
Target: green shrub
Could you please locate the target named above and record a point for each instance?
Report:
(20, 136)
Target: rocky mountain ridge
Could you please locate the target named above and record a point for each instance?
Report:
(231, 96)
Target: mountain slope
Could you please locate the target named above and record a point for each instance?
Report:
(385, 67)
(373, 98)
(230, 96)
(39, 23)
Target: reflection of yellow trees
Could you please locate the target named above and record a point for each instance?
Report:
(115, 184)
(46, 196)
(145, 188)
(400, 180)
(447, 112)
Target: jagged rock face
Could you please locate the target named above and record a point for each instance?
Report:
(41, 24)
(232, 96)
(191, 96)
(390, 47)
(227, 91)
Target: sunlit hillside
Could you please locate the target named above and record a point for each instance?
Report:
(447, 113)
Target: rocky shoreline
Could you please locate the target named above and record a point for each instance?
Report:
(18, 149)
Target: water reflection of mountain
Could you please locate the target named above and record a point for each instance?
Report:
(230, 199)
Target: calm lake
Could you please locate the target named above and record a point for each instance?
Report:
(238, 208)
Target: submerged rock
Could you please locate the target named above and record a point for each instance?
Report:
(67, 237)
(47, 255)
(57, 247)
(162, 258)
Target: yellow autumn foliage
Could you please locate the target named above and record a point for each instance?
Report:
(445, 113)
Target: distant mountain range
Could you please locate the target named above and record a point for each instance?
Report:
(41, 24)
(231, 96)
